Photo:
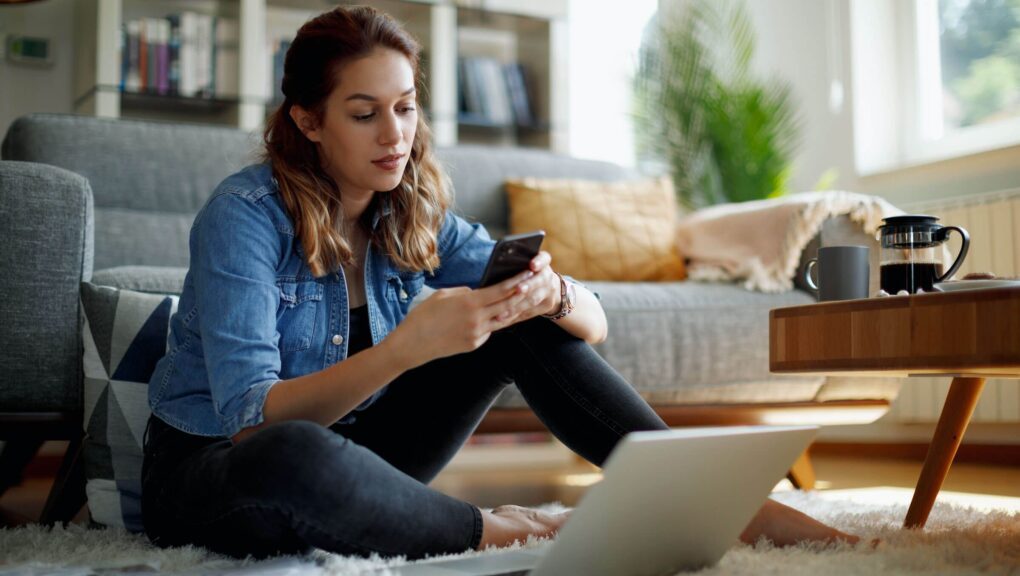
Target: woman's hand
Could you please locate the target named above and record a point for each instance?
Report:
(457, 320)
(541, 292)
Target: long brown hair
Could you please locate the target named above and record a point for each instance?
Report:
(408, 235)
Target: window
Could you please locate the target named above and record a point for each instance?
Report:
(979, 57)
(943, 76)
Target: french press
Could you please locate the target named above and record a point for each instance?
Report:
(912, 253)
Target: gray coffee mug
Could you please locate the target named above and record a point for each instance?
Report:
(843, 273)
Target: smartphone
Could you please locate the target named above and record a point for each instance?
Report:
(511, 255)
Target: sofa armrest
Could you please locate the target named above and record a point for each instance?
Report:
(46, 215)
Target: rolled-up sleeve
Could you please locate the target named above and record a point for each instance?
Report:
(234, 254)
(464, 248)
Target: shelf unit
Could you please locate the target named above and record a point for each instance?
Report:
(529, 32)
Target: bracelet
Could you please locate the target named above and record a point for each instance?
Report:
(566, 300)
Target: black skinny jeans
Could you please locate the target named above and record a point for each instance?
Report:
(361, 488)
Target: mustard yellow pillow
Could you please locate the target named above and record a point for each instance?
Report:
(621, 231)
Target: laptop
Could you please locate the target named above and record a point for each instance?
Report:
(669, 501)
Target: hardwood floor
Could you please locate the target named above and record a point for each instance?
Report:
(566, 484)
(490, 476)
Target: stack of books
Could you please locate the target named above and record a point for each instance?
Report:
(188, 54)
(278, 48)
(493, 93)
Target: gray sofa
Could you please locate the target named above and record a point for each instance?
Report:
(112, 201)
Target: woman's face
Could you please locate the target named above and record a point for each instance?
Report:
(369, 124)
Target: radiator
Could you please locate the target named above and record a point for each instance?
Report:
(993, 221)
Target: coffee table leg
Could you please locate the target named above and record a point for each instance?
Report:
(960, 402)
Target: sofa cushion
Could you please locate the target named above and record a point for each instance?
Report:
(125, 334)
(694, 342)
(478, 174)
(676, 342)
(152, 279)
(620, 231)
(148, 179)
(137, 237)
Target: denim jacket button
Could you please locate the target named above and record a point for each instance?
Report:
(403, 294)
(338, 339)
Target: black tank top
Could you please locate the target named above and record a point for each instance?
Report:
(359, 337)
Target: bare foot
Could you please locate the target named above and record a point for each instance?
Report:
(508, 524)
(785, 526)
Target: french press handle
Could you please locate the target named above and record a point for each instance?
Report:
(943, 234)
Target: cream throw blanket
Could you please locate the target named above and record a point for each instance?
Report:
(760, 242)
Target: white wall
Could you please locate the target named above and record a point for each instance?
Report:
(604, 43)
(25, 89)
(798, 43)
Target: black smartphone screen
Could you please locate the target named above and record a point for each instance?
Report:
(510, 256)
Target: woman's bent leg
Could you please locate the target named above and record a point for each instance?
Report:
(429, 412)
(586, 403)
(290, 487)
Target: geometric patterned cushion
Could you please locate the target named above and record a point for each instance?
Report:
(124, 334)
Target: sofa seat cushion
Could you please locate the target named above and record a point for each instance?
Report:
(694, 343)
(676, 342)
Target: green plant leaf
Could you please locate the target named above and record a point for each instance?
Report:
(727, 136)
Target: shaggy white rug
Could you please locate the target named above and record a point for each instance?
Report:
(980, 538)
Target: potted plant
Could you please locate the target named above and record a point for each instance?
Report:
(725, 135)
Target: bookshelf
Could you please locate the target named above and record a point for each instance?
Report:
(515, 50)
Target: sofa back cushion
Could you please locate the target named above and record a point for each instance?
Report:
(479, 174)
(148, 179)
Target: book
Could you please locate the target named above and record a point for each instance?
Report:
(492, 93)
(174, 54)
(497, 101)
(151, 54)
(130, 76)
(226, 61)
(470, 82)
(188, 54)
(162, 55)
(279, 53)
(204, 55)
(143, 56)
(518, 89)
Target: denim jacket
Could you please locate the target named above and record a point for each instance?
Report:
(251, 313)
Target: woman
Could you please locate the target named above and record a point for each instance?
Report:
(301, 402)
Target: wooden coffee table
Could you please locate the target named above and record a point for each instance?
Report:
(966, 335)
